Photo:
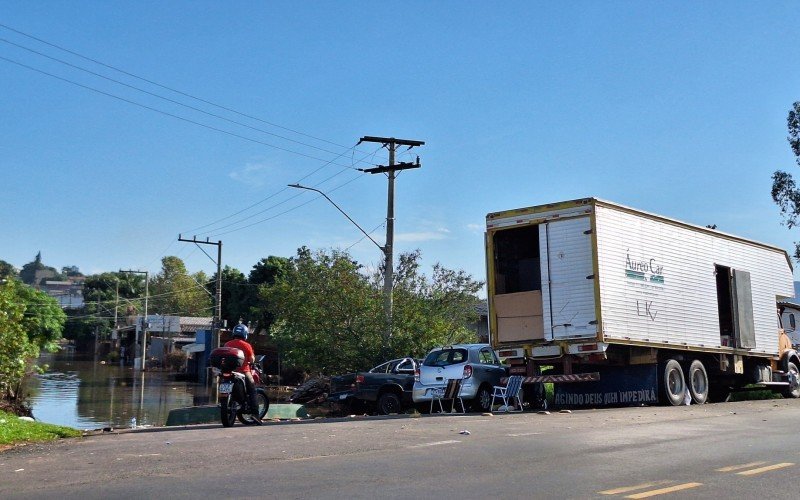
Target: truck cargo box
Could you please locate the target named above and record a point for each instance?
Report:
(591, 270)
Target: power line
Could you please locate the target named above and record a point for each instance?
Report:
(166, 113)
(190, 231)
(362, 238)
(245, 219)
(285, 211)
(166, 87)
(173, 101)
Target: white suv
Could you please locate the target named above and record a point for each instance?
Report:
(477, 364)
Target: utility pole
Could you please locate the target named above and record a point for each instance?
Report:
(96, 331)
(144, 319)
(391, 144)
(217, 321)
(116, 309)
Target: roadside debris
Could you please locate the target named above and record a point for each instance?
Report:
(564, 411)
(465, 432)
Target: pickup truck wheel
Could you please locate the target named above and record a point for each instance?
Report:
(389, 403)
(697, 380)
(793, 391)
(673, 385)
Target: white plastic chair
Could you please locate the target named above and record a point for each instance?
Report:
(510, 393)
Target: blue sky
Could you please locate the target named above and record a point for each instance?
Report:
(676, 108)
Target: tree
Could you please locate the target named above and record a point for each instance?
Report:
(237, 296)
(71, 271)
(100, 296)
(430, 311)
(28, 272)
(7, 270)
(784, 190)
(264, 273)
(329, 315)
(29, 321)
(176, 292)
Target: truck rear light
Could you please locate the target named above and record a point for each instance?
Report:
(359, 379)
(587, 347)
(467, 371)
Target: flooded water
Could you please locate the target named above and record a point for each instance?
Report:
(84, 394)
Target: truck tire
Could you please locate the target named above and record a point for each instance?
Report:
(389, 403)
(673, 385)
(697, 380)
(793, 391)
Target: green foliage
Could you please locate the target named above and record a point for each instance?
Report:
(330, 316)
(43, 320)
(784, 190)
(13, 430)
(237, 295)
(71, 271)
(102, 293)
(430, 312)
(28, 272)
(7, 270)
(29, 321)
(177, 293)
(265, 272)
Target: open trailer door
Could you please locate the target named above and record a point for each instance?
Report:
(567, 279)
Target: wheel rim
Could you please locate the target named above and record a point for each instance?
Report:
(484, 399)
(390, 406)
(262, 404)
(675, 383)
(699, 382)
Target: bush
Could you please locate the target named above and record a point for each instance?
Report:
(176, 360)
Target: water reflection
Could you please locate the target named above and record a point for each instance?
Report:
(85, 394)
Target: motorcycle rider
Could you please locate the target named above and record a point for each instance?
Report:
(239, 341)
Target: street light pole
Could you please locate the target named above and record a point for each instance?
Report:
(298, 186)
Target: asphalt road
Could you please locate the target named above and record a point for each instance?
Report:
(733, 450)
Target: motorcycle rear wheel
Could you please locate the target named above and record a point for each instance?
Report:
(263, 407)
(228, 413)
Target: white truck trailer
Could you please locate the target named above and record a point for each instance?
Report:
(618, 306)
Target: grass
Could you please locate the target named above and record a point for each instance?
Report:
(15, 431)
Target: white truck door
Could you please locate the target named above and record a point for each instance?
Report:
(567, 279)
(743, 313)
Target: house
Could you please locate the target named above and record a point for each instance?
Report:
(69, 294)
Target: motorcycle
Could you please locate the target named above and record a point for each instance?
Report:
(232, 391)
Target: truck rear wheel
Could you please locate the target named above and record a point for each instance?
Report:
(697, 380)
(673, 385)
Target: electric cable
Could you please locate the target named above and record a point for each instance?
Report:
(164, 86)
(172, 115)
